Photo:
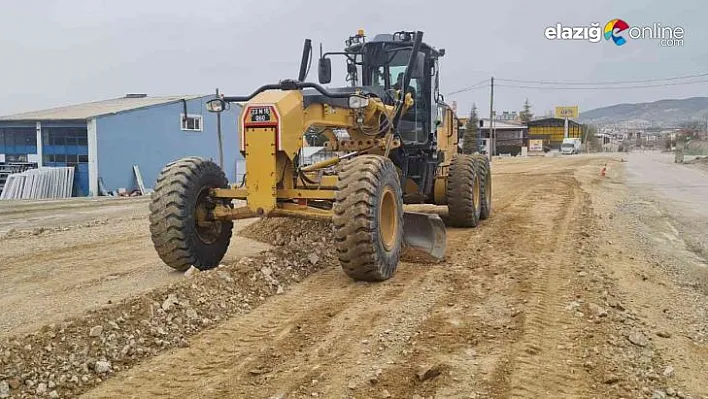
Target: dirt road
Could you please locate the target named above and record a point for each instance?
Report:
(564, 292)
(518, 309)
(62, 258)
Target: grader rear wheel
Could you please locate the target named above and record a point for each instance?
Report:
(485, 177)
(368, 218)
(463, 192)
(180, 231)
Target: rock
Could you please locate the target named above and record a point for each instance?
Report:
(611, 379)
(671, 392)
(664, 334)
(313, 258)
(352, 385)
(668, 371)
(192, 314)
(51, 385)
(191, 271)
(14, 383)
(597, 310)
(114, 325)
(385, 394)
(102, 367)
(96, 331)
(427, 372)
(41, 389)
(225, 276)
(29, 383)
(4, 389)
(637, 338)
(617, 305)
(658, 395)
(53, 394)
(582, 274)
(280, 290)
(169, 303)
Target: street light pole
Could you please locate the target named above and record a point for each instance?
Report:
(492, 142)
(218, 131)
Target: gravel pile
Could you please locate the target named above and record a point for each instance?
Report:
(66, 359)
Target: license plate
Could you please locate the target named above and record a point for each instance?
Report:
(260, 114)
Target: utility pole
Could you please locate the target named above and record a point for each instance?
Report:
(492, 140)
(218, 131)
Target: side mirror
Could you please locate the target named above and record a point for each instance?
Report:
(324, 70)
(419, 68)
(216, 105)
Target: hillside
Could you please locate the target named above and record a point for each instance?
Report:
(657, 113)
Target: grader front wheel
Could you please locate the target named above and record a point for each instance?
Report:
(368, 218)
(180, 230)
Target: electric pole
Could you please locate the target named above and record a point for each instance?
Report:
(492, 141)
(218, 131)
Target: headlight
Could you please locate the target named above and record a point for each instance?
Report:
(215, 105)
(357, 102)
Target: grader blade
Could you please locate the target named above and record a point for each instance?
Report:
(424, 237)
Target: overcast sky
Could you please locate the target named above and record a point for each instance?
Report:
(56, 53)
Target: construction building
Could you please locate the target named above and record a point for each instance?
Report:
(103, 140)
(552, 131)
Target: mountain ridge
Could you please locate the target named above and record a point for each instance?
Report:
(666, 112)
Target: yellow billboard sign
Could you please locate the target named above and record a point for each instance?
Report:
(567, 112)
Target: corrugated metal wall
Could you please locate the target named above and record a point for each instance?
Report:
(152, 137)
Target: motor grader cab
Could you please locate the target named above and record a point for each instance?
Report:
(395, 142)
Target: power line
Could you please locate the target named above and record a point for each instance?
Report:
(602, 87)
(479, 85)
(700, 75)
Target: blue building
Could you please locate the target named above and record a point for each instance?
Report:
(104, 139)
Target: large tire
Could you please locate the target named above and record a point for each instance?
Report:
(182, 189)
(368, 218)
(463, 188)
(484, 172)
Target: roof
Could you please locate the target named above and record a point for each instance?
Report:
(552, 122)
(502, 125)
(89, 110)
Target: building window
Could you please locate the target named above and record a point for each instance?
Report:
(191, 123)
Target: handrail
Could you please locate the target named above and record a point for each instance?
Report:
(286, 85)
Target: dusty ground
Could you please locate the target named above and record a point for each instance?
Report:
(577, 286)
(61, 258)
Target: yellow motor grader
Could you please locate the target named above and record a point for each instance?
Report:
(393, 141)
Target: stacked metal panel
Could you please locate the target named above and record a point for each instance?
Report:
(39, 184)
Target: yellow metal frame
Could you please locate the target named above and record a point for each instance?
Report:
(273, 185)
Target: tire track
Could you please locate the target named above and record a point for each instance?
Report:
(542, 363)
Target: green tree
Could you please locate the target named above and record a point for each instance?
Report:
(525, 115)
(469, 140)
